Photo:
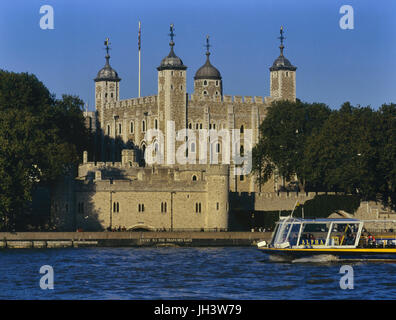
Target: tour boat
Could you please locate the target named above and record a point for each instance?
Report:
(343, 238)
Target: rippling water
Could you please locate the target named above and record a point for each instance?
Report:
(184, 273)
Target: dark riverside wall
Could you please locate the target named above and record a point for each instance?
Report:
(128, 239)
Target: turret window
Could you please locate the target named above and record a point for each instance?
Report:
(156, 124)
(205, 92)
(217, 83)
(205, 83)
(143, 126)
(119, 128)
(131, 127)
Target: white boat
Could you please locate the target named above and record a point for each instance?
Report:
(296, 237)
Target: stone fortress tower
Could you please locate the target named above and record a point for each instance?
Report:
(117, 187)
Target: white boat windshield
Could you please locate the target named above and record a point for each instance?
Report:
(292, 232)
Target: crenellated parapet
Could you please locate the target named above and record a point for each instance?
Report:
(230, 99)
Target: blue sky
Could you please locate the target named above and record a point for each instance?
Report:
(334, 65)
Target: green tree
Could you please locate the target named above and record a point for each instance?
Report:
(41, 138)
(283, 135)
(353, 153)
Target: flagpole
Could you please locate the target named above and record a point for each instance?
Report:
(139, 57)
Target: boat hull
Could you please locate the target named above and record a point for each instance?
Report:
(361, 253)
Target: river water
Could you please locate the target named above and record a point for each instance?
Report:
(242, 273)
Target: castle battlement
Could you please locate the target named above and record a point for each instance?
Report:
(230, 99)
(133, 102)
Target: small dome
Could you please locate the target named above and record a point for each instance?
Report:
(171, 62)
(281, 63)
(107, 73)
(207, 71)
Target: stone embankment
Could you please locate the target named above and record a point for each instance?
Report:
(129, 239)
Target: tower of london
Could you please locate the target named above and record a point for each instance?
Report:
(150, 168)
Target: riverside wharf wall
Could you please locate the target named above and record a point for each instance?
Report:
(129, 239)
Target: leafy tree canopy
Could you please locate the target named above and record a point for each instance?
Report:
(41, 138)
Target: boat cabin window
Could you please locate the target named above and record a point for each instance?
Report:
(314, 234)
(343, 234)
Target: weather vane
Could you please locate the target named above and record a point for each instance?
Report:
(107, 44)
(281, 39)
(171, 34)
(207, 45)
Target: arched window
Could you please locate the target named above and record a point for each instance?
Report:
(143, 126)
(242, 129)
(242, 151)
(205, 83)
(194, 178)
(205, 92)
(192, 147)
(218, 147)
(108, 129)
(155, 124)
(131, 127)
(119, 128)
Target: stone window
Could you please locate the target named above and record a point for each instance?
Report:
(116, 207)
(119, 128)
(192, 147)
(105, 95)
(141, 207)
(287, 74)
(205, 83)
(217, 93)
(181, 87)
(194, 178)
(200, 126)
(198, 207)
(171, 86)
(190, 125)
(143, 126)
(163, 207)
(197, 126)
(217, 84)
(205, 92)
(111, 94)
(172, 73)
(81, 207)
(131, 127)
(218, 147)
(155, 124)
(217, 206)
(108, 129)
(242, 151)
(242, 129)
(241, 177)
